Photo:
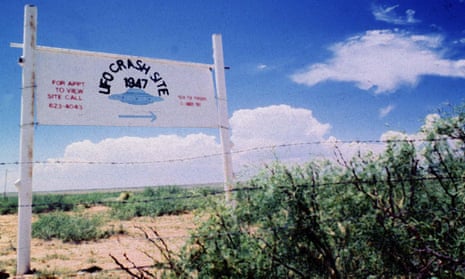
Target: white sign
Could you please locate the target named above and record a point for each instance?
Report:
(86, 88)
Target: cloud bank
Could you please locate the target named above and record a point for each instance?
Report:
(383, 61)
(132, 162)
(260, 136)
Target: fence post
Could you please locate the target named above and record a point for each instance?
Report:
(24, 183)
(220, 83)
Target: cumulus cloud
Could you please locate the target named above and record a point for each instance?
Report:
(133, 161)
(389, 15)
(419, 138)
(290, 135)
(260, 136)
(274, 125)
(383, 60)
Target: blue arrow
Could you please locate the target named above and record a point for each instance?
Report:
(152, 116)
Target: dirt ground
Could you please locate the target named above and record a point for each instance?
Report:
(64, 260)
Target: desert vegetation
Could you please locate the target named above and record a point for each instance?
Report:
(76, 225)
(399, 213)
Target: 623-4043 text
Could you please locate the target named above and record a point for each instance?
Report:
(65, 106)
(131, 82)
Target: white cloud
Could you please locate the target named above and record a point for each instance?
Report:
(383, 112)
(130, 149)
(291, 135)
(275, 125)
(389, 15)
(259, 135)
(133, 161)
(419, 138)
(383, 60)
(262, 67)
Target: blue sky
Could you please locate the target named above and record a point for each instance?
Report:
(300, 71)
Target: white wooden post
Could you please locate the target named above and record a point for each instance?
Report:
(24, 183)
(220, 83)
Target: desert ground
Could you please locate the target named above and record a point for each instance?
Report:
(55, 259)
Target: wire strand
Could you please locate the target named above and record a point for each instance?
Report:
(218, 154)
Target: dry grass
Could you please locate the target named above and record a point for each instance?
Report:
(65, 259)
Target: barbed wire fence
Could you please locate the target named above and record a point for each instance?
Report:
(218, 192)
(247, 150)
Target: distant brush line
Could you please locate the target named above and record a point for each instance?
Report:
(206, 156)
(250, 188)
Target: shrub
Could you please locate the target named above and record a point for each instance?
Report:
(51, 202)
(43, 203)
(398, 214)
(159, 201)
(8, 205)
(67, 227)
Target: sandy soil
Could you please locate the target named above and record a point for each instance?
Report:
(64, 260)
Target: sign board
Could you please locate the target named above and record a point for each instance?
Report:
(88, 88)
(72, 87)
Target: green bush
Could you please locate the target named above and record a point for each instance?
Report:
(398, 214)
(43, 203)
(51, 202)
(8, 205)
(159, 201)
(125, 205)
(67, 227)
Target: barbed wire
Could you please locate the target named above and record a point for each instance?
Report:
(216, 192)
(218, 154)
